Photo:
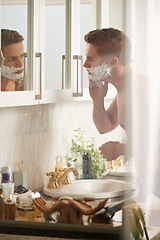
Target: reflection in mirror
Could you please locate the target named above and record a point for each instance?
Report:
(12, 69)
(14, 16)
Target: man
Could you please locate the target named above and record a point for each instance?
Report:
(12, 69)
(107, 61)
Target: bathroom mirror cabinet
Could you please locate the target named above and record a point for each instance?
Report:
(53, 32)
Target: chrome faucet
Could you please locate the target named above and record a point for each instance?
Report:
(60, 177)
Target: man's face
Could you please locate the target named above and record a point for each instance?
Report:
(92, 57)
(14, 55)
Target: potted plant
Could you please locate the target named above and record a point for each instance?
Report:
(80, 146)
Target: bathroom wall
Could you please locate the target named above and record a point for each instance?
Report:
(37, 134)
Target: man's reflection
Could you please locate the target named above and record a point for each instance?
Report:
(12, 69)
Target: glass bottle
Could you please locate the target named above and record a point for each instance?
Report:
(9, 209)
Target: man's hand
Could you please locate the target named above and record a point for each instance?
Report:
(7, 85)
(98, 93)
(112, 150)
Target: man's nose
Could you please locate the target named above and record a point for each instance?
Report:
(20, 62)
(85, 64)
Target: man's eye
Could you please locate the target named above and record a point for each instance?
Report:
(92, 60)
(10, 59)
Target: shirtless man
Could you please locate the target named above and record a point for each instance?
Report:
(12, 69)
(107, 61)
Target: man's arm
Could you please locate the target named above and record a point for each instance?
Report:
(104, 120)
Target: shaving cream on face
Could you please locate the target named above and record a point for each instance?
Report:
(10, 73)
(99, 74)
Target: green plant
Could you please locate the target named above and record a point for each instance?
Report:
(80, 145)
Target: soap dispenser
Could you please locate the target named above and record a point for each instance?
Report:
(86, 165)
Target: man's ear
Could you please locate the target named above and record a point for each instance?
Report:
(114, 61)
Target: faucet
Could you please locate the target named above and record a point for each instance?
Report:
(53, 180)
(64, 177)
(58, 178)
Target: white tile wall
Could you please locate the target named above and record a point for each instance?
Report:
(37, 134)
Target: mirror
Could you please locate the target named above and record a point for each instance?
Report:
(55, 31)
(55, 12)
(86, 24)
(14, 16)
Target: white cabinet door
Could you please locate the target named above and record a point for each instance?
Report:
(56, 65)
(18, 16)
(65, 24)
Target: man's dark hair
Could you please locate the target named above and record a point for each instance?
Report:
(110, 42)
(9, 37)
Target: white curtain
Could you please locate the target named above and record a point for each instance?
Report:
(142, 27)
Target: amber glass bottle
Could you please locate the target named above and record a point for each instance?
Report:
(9, 209)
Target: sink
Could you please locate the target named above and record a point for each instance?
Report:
(95, 188)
